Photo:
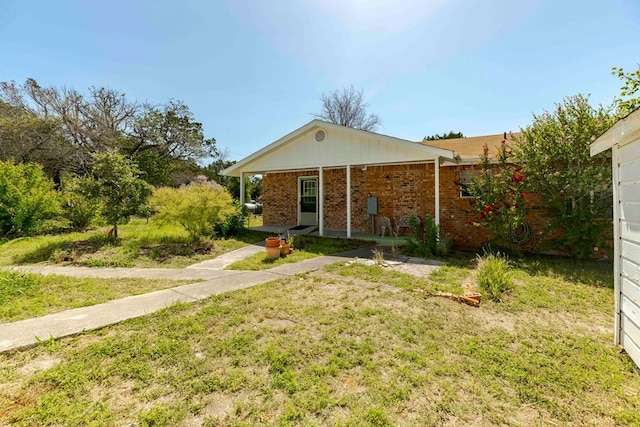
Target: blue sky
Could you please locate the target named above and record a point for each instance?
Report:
(254, 70)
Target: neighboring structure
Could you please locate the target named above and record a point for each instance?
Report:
(333, 177)
(624, 140)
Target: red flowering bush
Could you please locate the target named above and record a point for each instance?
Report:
(499, 194)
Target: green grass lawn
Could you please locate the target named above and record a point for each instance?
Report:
(350, 345)
(305, 247)
(141, 243)
(23, 296)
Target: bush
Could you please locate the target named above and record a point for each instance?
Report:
(199, 208)
(233, 225)
(423, 243)
(494, 275)
(77, 208)
(27, 199)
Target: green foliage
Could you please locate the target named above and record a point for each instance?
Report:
(62, 129)
(79, 209)
(499, 194)
(423, 242)
(27, 198)
(197, 207)
(494, 275)
(233, 225)
(114, 182)
(629, 99)
(450, 135)
(574, 187)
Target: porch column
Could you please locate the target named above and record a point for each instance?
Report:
(242, 195)
(348, 201)
(436, 174)
(320, 202)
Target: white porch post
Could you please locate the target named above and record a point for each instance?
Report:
(436, 174)
(320, 202)
(348, 201)
(242, 195)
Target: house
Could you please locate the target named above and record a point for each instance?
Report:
(339, 178)
(623, 138)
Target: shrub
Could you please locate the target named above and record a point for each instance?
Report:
(232, 225)
(199, 208)
(27, 199)
(79, 209)
(423, 243)
(494, 275)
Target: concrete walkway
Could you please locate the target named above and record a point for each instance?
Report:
(28, 332)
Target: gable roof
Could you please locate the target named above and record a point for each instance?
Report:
(471, 148)
(344, 146)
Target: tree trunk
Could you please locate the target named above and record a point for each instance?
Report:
(115, 230)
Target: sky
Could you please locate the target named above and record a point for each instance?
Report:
(251, 71)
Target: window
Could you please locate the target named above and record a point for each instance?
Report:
(466, 178)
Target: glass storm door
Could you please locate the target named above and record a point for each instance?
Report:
(308, 201)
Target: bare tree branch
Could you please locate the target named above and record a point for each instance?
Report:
(348, 108)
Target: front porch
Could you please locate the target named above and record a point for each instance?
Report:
(281, 230)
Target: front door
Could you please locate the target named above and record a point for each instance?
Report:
(308, 201)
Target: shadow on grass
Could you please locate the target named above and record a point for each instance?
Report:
(66, 251)
(597, 273)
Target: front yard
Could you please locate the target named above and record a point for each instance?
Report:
(349, 345)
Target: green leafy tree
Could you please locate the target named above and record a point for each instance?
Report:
(114, 182)
(629, 99)
(77, 205)
(27, 198)
(197, 207)
(63, 128)
(575, 188)
(499, 195)
(450, 135)
(29, 138)
(166, 139)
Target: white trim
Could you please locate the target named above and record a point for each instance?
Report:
(320, 202)
(299, 196)
(348, 201)
(436, 173)
(242, 189)
(621, 133)
(617, 263)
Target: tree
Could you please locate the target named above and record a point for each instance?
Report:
(450, 135)
(629, 89)
(27, 198)
(29, 138)
(499, 197)
(70, 127)
(575, 188)
(348, 108)
(165, 139)
(114, 181)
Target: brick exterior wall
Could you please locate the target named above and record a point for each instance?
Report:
(402, 190)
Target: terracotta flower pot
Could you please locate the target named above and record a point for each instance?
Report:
(272, 242)
(273, 252)
(285, 249)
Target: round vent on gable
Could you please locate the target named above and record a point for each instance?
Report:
(320, 135)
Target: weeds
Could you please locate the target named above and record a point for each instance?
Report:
(494, 275)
